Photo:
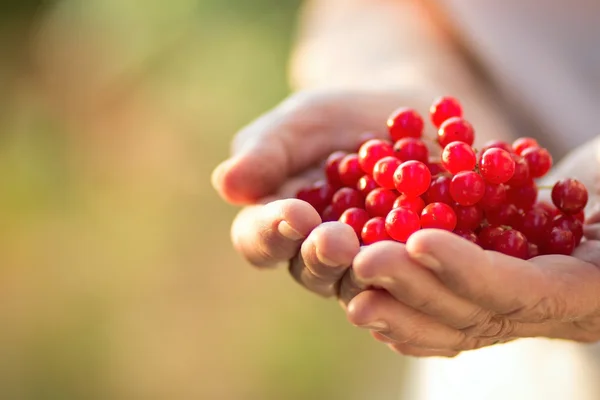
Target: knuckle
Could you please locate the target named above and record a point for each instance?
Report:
(498, 327)
(544, 309)
(477, 319)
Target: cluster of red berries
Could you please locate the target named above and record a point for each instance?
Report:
(391, 188)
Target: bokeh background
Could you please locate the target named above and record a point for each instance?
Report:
(117, 278)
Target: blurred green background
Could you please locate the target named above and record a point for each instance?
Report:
(117, 278)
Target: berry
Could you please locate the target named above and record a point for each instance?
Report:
(330, 214)
(415, 204)
(374, 231)
(493, 197)
(512, 243)
(350, 170)
(438, 216)
(560, 241)
(497, 166)
(332, 168)
(521, 175)
(356, 218)
(383, 172)
(468, 217)
(409, 148)
(436, 168)
(549, 208)
(372, 151)
(439, 191)
(458, 157)
(366, 185)
(467, 188)
(536, 225)
(346, 198)
(444, 108)
(405, 122)
(487, 236)
(532, 251)
(380, 202)
(400, 223)
(496, 144)
(569, 223)
(456, 130)
(412, 178)
(539, 161)
(580, 216)
(506, 214)
(569, 195)
(318, 195)
(466, 234)
(522, 144)
(523, 197)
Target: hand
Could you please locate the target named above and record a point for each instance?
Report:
(439, 295)
(279, 153)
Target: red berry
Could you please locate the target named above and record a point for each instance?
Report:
(467, 188)
(512, 243)
(330, 214)
(458, 157)
(560, 241)
(487, 236)
(318, 195)
(468, 235)
(456, 130)
(409, 148)
(380, 202)
(436, 168)
(506, 214)
(521, 144)
(521, 175)
(356, 218)
(497, 166)
(536, 225)
(415, 204)
(346, 198)
(412, 178)
(438, 216)
(569, 223)
(494, 196)
(468, 217)
(372, 151)
(374, 231)
(332, 168)
(569, 195)
(400, 223)
(383, 172)
(532, 251)
(580, 216)
(523, 197)
(548, 208)
(350, 170)
(439, 191)
(496, 144)
(539, 161)
(405, 122)
(444, 108)
(366, 184)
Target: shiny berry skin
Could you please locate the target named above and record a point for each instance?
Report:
(444, 108)
(512, 243)
(506, 214)
(569, 195)
(412, 178)
(436, 168)
(318, 195)
(468, 217)
(524, 197)
(487, 236)
(438, 216)
(356, 218)
(458, 157)
(494, 196)
(405, 122)
(580, 216)
(560, 241)
(532, 251)
(467, 235)
(521, 175)
(372, 151)
(536, 225)
(346, 198)
(332, 168)
(496, 144)
(521, 144)
(497, 166)
(380, 202)
(374, 231)
(548, 208)
(366, 184)
(467, 188)
(400, 223)
(569, 223)
(408, 149)
(439, 191)
(415, 204)
(456, 130)
(350, 170)
(330, 214)
(539, 161)
(383, 172)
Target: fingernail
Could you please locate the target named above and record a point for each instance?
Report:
(428, 261)
(376, 326)
(288, 232)
(324, 260)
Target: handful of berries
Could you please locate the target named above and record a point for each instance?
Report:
(393, 188)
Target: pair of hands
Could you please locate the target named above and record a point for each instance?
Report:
(437, 295)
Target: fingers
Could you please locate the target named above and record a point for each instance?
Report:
(325, 257)
(269, 234)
